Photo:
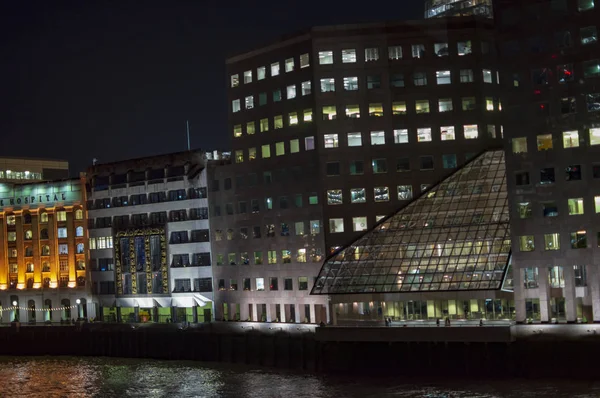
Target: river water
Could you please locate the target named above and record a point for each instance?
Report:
(111, 377)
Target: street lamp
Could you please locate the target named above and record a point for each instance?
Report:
(78, 310)
(14, 303)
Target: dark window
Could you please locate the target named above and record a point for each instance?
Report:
(397, 80)
(200, 213)
(283, 202)
(426, 162)
(403, 164)
(273, 284)
(178, 194)
(200, 235)
(379, 166)
(568, 105)
(254, 205)
(203, 284)
(217, 211)
(256, 232)
(540, 76)
(510, 48)
(201, 259)
(243, 207)
(157, 197)
(373, 81)
(596, 170)
(239, 181)
(547, 176)
(267, 176)
(288, 284)
(522, 178)
(252, 179)
(159, 217)
(285, 229)
(177, 215)
(333, 168)
(229, 209)
(297, 173)
(357, 167)
(197, 193)
(537, 44)
(215, 185)
(180, 260)
(563, 39)
(227, 184)
(298, 199)
(573, 172)
(179, 237)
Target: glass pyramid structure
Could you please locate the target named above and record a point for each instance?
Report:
(454, 237)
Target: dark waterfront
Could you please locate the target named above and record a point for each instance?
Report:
(113, 377)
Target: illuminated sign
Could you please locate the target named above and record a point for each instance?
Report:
(40, 199)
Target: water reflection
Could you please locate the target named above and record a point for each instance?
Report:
(110, 377)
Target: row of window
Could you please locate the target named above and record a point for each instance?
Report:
(285, 257)
(556, 277)
(551, 241)
(63, 249)
(259, 284)
(549, 208)
(200, 285)
(155, 218)
(572, 172)
(61, 215)
(63, 282)
(63, 266)
(274, 69)
(183, 260)
(285, 202)
(153, 197)
(545, 142)
(197, 235)
(314, 228)
(351, 83)
(61, 233)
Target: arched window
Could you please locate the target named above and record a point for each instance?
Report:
(44, 233)
(80, 265)
(31, 306)
(28, 235)
(43, 218)
(66, 313)
(29, 283)
(79, 214)
(79, 231)
(81, 281)
(29, 251)
(29, 267)
(48, 308)
(45, 250)
(46, 283)
(45, 266)
(26, 218)
(80, 248)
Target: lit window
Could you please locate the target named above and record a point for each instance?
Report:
(487, 76)
(289, 65)
(571, 139)
(350, 83)
(266, 151)
(401, 136)
(418, 50)
(524, 209)
(593, 102)
(278, 122)
(359, 224)
(235, 80)
(348, 56)
(325, 57)
(276, 95)
(445, 105)
(358, 195)
(441, 49)
(354, 139)
(264, 125)
(394, 52)
(292, 118)
(405, 192)
(519, 145)
(279, 149)
(309, 143)
(247, 77)
(379, 166)
(61, 215)
(424, 135)
(449, 161)
(464, 47)
(250, 128)
(251, 154)
(556, 277)
(275, 69)
(381, 194)
(580, 275)
(331, 140)
(489, 104)
(376, 109)
(420, 79)
(468, 103)
(329, 112)
(291, 92)
(261, 72)
(564, 73)
(443, 77)
(544, 142)
(249, 101)
(526, 243)
(597, 204)
(591, 68)
(447, 133)
(552, 241)
(471, 131)
(239, 156)
(399, 108)
(237, 130)
(12, 236)
(579, 240)
(377, 138)
(64, 249)
(334, 197)
(235, 105)
(589, 35)
(530, 278)
(336, 225)
(585, 5)
(352, 111)
(307, 115)
(301, 255)
(466, 76)
(304, 60)
(306, 88)
(422, 106)
(294, 146)
(575, 206)
(371, 54)
(327, 85)
(595, 136)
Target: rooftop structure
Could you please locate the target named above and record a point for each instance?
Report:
(455, 8)
(23, 170)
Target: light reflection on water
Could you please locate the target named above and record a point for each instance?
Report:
(111, 377)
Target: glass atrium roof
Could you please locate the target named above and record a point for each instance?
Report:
(455, 236)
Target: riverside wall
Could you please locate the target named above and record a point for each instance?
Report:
(536, 351)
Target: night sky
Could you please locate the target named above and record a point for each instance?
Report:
(117, 79)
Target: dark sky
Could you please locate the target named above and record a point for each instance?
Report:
(117, 79)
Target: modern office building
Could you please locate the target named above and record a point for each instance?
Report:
(454, 8)
(25, 170)
(332, 130)
(551, 113)
(43, 252)
(150, 250)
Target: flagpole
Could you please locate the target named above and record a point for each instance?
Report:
(187, 125)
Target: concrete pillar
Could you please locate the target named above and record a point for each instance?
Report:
(218, 308)
(543, 294)
(593, 281)
(313, 315)
(174, 314)
(255, 312)
(332, 314)
(270, 313)
(244, 312)
(519, 286)
(570, 294)
(100, 314)
(328, 313)
(299, 312)
(119, 317)
(195, 314)
(136, 314)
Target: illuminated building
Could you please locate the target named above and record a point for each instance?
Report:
(455, 8)
(551, 97)
(446, 254)
(43, 252)
(331, 131)
(24, 170)
(149, 239)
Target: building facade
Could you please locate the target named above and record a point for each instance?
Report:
(449, 8)
(331, 131)
(150, 250)
(43, 252)
(25, 170)
(552, 123)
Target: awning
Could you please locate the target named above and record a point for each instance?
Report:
(183, 302)
(164, 302)
(145, 302)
